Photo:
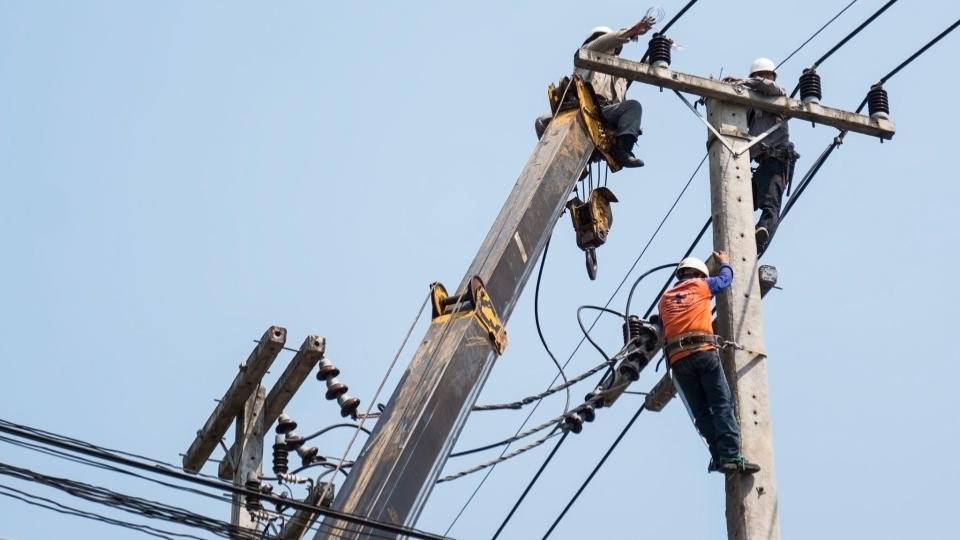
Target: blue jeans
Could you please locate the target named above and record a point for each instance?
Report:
(705, 390)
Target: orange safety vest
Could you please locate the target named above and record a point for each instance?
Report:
(686, 308)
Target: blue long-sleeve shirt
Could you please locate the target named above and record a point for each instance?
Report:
(722, 280)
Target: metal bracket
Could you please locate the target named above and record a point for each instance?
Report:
(603, 138)
(720, 137)
(476, 302)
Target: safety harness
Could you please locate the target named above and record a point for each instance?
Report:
(690, 341)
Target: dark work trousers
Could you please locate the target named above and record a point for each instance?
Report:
(624, 116)
(769, 182)
(705, 390)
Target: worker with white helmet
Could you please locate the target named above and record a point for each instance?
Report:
(623, 115)
(775, 155)
(691, 349)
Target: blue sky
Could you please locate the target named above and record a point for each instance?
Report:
(179, 176)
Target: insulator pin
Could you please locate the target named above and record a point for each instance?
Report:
(252, 502)
(877, 102)
(659, 51)
(280, 455)
(810, 88)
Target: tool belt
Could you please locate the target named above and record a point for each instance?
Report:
(690, 341)
(782, 152)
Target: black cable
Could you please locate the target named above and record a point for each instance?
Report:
(60, 508)
(844, 41)
(536, 320)
(677, 16)
(922, 50)
(626, 311)
(26, 432)
(815, 34)
(586, 333)
(666, 285)
(335, 426)
(530, 485)
(838, 140)
(594, 471)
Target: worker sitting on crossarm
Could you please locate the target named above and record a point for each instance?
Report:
(692, 353)
(623, 115)
(775, 155)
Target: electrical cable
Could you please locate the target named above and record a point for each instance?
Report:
(383, 382)
(586, 333)
(595, 469)
(677, 16)
(844, 41)
(838, 140)
(26, 432)
(536, 319)
(819, 162)
(582, 340)
(529, 486)
(815, 34)
(537, 397)
(500, 459)
(335, 426)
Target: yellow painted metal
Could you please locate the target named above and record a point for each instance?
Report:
(475, 302)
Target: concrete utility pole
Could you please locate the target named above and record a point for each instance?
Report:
(751, 499)
(752, 504)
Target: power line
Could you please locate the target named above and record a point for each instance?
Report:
(838, 140)
(814, 169)
(530, 485)
(815, 34)
(848, 37)
(26, 432)
(583, 339)
(595, 469)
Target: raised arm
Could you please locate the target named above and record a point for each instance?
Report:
(607, 43)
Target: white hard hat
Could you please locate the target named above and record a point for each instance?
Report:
(762, 64)
(695, 263)
(597, 32)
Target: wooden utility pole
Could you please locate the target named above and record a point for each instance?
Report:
(752, 504)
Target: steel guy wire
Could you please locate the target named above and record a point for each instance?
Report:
(383, 381)
(500, 459)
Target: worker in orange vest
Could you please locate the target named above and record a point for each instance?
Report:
(691, 348)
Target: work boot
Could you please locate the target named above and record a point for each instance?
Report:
(763, 236)
(739, 464)
(622, 151)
